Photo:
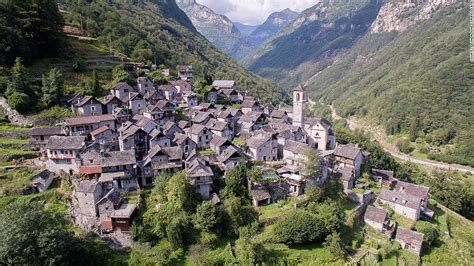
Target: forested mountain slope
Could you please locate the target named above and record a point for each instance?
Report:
(158, 31)
(309, 43)
(412, 75)
(218, 29)
(272, 25)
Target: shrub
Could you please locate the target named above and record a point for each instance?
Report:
(19, 101)
(429, 231)
(297, 227)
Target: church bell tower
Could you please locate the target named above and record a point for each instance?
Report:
(299, 102)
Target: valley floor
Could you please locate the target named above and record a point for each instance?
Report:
(379, 135)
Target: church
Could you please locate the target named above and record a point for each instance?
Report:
(319, 130)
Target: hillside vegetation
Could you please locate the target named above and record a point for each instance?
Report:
(306, 45)
(418, 83)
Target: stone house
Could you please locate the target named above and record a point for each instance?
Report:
(144, 85)
(182, 86)
(161, 160)
(384, 177)
(171, 128)
(220, 129)
(185, 72)
(153, 96)
(83, 125)
(63, 153)
(185, 143)
(262, 147)
(39, 137)
(260, 196)
(118, 168)
(157, 138)
(229, 157)
(132, 137)
(88, 106)
(106, 138)
(161, 112)
(85, 198)
(410, 240)
(279, 115)
(109, 103)
(121, 90)
(42, 181)
(201, 177)
(250, 106)
(294, 153)
(347, 176)
(218, 144)
(136, 103)
(108, 203)
(348, 156)
(251, 121)
(403, 204)
(414, 190)
(200, 135)
(202, 117)
(378, 219)
(169, 91)
(121, 115)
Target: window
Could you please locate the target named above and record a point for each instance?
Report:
(297, 97)
(92, 108)
(139, 105)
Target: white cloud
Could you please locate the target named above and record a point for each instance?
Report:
(254, 11)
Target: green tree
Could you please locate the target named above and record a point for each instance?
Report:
(238, 214)
(19, 101)
(93, 86)
(207, 216)
(179, 232)
(314, 193)
(181, 194)
(329, 214)
(429, 231)
(52, 88)
(33, 236)
(158, 78)
(29, 28)
(335, 245)
(247, 251)
(19, 79)
(311, 164)
(297, 227)
(236, 182)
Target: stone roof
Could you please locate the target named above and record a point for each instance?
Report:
(66, 143)
(412, 189)
(108, 98)
(375, 214)
(98, 131)
(312, 121)
(406, 200)
(86, 99)
(183, 124)
(47, 131)
(213, 124)
(409, 236)
(348, 151)
(198, 169)
(384, 174)
(223, 83)
(197, 128)
(200, 117)
(180, 138)
(278, 113)
(219, 141)
(168, 88)
(249, 104)
(87, 186)
(260, 194)
(256, 141)
(130, 131)
(125, 211)
(228, 152)
(346, 173)
(251, 117)
(114, 195)
(109, 159)
(87, 120)
(296, 147)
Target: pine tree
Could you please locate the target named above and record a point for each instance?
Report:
(19, 79)
(52, 87)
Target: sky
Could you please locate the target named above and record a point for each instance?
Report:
(254, 12)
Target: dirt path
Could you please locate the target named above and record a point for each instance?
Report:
(379, 135)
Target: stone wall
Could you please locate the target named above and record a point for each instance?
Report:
(13, 116)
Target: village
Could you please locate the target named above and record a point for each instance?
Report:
(119, 144)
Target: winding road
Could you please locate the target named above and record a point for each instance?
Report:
(379, 135)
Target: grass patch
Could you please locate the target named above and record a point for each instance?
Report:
(16, 181)
(10, 128)
(206, 152)
(314, 254)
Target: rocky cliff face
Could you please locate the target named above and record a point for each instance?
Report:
(400, 16)
(274, 23)
(218, 29)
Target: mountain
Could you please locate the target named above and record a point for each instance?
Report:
(410, 73)
(274, 23)
(218, 29)
(302, 48)
(245, 29)
(158, 30)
